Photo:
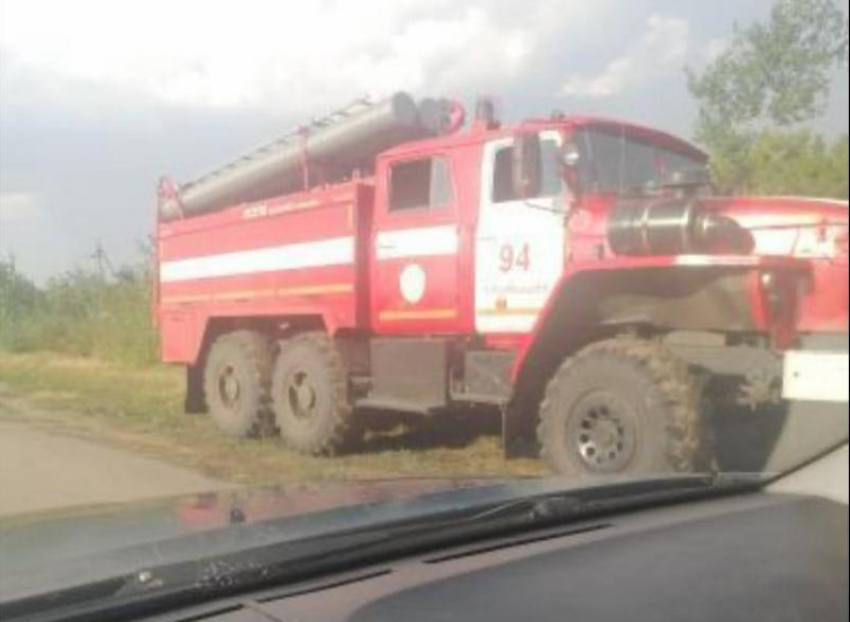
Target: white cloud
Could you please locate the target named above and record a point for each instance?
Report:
(665, 46)
(38, 243)
(19, 207)
(712, 50)
(275, 53)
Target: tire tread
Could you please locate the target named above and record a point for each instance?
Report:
(341, 419)
(672, 378)
(255, 347)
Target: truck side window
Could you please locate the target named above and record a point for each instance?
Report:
(502, 185)
(420, 184)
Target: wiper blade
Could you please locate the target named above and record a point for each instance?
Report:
(187, 583)
(539, 510)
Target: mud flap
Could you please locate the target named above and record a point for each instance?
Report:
(519, 439)
(194, 402)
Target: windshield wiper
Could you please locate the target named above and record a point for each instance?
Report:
(538, 511)
(192, 582)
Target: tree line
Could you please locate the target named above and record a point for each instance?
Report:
(757, 98)
(82, 312)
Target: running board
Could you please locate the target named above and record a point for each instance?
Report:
(397, 405)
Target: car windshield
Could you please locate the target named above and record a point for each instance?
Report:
(337, 263)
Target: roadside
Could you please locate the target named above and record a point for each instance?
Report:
(41, 470)
(140, 409)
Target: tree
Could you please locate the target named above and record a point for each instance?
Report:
(80, 312)
(19, 300)
(798, 162)
(772, 75)
(18, 295)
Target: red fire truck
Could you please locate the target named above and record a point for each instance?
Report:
(576, 273)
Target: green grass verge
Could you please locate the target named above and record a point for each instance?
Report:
(141, 407)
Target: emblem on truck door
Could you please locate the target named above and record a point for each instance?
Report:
(411, 282)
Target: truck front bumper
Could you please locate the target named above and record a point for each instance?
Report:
(815, 376)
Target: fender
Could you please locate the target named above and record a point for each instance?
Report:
(597, 300)
(186, 330)
(633, 267)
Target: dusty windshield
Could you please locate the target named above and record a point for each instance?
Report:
(258, 244)
(617, 163)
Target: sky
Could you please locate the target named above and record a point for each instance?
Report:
(99, 98)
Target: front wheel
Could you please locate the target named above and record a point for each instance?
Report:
(620, 406)
(310, 394)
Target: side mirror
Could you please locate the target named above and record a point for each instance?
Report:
(570, 160)
(570, 155)
(526, 165)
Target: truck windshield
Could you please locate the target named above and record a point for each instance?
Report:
(614, 163)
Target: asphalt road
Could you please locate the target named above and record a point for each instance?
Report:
(40, 470)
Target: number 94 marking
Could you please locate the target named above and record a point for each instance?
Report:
(514, 257)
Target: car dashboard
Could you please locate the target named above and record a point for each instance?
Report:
(754, 556)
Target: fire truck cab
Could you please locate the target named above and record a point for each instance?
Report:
(572, 272)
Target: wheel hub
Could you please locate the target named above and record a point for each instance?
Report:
(602, 432)
(302, 394)
(228, 387)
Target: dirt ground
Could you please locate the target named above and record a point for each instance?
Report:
(139, 410)
(83, 431)
(42, 470)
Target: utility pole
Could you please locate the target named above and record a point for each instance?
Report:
(102, 260)
(98, 255)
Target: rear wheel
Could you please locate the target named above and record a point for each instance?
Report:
(310, 394)
(236, 382)
(620, 406)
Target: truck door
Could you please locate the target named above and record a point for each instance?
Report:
(519, 244)
(417, 244)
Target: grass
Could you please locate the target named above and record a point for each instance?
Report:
(141, 408)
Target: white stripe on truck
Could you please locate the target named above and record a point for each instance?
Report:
(332, 252)
(417, 242)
